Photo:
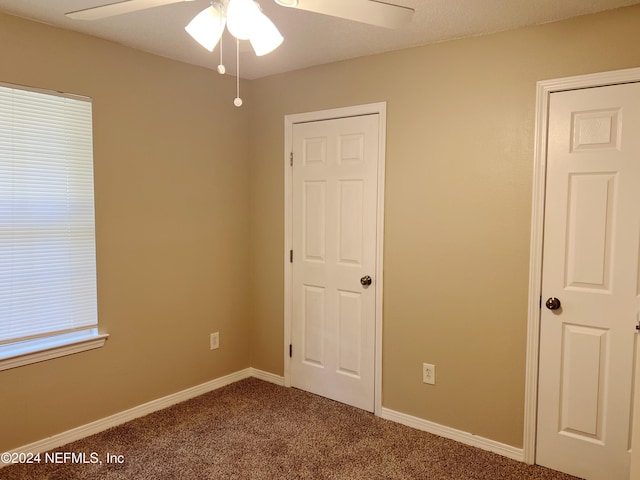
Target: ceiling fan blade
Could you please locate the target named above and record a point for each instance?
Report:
(118, 8)
(372, 12)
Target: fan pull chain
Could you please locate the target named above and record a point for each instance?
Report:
(237, 101)
(221, 68)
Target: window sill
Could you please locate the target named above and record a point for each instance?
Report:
(33, 351)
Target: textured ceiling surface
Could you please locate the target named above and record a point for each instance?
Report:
(310, 38)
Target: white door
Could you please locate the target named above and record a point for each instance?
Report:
(590, 264)
(334, 258)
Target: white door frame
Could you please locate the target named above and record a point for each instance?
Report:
(289, 120)
(544, 90)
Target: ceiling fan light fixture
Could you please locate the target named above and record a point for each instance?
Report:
(265, 37)
(206, 28)
(245, 21)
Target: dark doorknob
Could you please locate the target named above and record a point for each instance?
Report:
(365, 281)
(553, 303)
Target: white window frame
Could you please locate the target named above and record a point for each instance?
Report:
(47, 345)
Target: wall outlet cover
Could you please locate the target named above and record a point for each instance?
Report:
(429, 373)
(214, 341)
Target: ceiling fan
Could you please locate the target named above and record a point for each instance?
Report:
(245, 20)
(372, 12)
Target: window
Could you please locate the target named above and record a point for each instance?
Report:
(48, 302)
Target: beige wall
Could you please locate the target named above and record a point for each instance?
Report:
(172, 224)
(460, 137)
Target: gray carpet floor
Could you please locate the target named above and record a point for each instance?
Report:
(256, 430)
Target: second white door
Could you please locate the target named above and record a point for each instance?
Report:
(591, 282)
(334, 196)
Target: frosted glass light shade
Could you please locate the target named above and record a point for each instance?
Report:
(206, 28)
(265, 37)
(241, 18)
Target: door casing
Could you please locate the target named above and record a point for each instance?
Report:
(544, 90)
(289, 120)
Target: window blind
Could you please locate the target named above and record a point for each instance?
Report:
(47, 226)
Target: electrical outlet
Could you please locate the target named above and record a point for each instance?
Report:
(429, 373)
(214, 341)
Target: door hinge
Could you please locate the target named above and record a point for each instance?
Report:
(290, 256)
(291, 159)
(540, 305)
(290, 350)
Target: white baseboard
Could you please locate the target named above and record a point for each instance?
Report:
(267, 377)
(97, 426)
(92, 428)
(453, 434)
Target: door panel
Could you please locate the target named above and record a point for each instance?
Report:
(334, 198)
(590, 262)
(583, 380)
(350, 224)
(313, 325)
(315, 215)
(349, 333)
(589, 237)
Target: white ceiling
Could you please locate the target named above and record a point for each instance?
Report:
(310, 38)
